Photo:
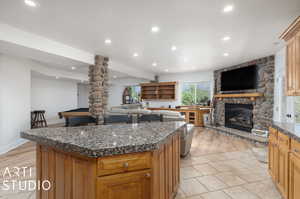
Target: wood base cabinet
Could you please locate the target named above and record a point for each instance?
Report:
(294, 170)
(147, 175)
(273, 154)
(283, 169)
(284, 164)
(279, 160)
(133, 185)
(294, 177)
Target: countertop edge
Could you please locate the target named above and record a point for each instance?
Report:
(285, 131)
(86, 152)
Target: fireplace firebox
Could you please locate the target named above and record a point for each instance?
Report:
(239, 116)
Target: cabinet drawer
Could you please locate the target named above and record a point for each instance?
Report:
(295, 147)
(123, 163)
(273, 132)
(283, 140)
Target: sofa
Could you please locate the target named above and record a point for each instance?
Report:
(130, 113)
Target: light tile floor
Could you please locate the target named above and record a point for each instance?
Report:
(218, 167)
(225, 167)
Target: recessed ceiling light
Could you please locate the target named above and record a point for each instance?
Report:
(56, 77)
(135, 54)
(107, 41)
(115, 76)
(227, 38)
(173, 48)
(155, 29)
(73, 67)
(166, 70)
(226, 54)
(228, 8)
(154, 64)
(30, 3)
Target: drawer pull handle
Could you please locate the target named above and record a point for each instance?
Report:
(125, 165)
(148, 175)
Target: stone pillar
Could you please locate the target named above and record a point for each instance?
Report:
(98, 80)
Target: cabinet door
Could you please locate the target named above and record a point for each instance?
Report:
(290, 68)
(133, 185)
(283, 170)
(294, 177)
(297, 64)
(273, 158)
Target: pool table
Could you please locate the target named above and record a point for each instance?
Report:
(77, 117)
(82, 116)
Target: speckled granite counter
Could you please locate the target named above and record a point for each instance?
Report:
(292, 130)
(107, 140)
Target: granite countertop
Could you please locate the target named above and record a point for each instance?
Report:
(290, 129)
(106, 140)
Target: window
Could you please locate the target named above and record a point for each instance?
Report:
(135, 93)
(197, 93)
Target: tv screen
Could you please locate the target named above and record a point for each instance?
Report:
(239, 79)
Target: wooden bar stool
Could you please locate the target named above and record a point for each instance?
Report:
(38, 119)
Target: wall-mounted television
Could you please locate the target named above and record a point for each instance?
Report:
(239, 79)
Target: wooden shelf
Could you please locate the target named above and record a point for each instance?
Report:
(252, 96)
(158, 91)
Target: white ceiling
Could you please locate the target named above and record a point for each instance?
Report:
(196, 27)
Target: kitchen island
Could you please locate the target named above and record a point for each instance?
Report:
(125, 161)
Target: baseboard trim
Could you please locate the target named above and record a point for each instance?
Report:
(12, 145)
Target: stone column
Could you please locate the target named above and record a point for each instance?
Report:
(98, 80)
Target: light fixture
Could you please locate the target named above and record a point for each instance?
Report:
(115, 76)
(154, 64)
(155, 29)
(226, 54)
(135, 54)
(227, 38)
(73, 67)
(166, 70)
(107, 41)
(173, 48)
(56, 77)
(228, 8)
(30, 3)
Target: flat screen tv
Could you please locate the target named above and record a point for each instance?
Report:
(239, 79)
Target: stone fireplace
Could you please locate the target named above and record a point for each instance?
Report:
(239, 116)
(250, 113)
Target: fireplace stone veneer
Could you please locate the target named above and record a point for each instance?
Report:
(262, 106)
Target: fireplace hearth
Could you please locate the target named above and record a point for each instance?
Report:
(239, 116)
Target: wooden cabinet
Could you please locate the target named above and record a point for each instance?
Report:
(279, 148)
(124, 163)
(147, 175)
(294, 170)
(283, 162)
(294, 177)
(273, 154)
(133, 185)
(158, 91)
(292, 37)
(193, 115)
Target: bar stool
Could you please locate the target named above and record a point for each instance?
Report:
(38, 119)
